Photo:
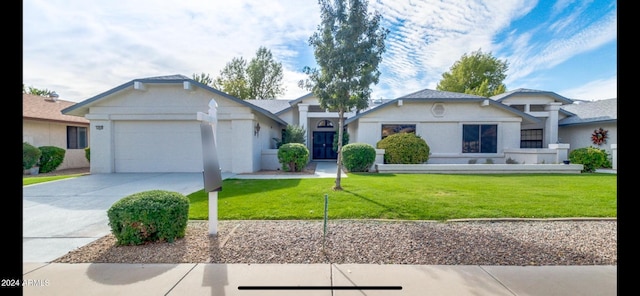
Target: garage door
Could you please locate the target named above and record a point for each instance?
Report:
(157, 146)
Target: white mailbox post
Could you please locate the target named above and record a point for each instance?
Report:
(211, 173)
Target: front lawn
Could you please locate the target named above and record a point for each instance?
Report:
(416, 197)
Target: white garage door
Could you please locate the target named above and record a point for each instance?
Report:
(157, 146)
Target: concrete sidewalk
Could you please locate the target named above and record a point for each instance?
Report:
(61, 216)
(316, 279)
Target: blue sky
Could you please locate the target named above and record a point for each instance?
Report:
(83, 48)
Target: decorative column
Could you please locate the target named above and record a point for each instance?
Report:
(551, 125)
(303, 120)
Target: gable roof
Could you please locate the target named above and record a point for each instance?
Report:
(590, 112)
(525, 91)
(45, 108)
(82, 108)
(429, 95)
(273, 106)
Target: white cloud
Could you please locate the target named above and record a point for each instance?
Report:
(594, 90)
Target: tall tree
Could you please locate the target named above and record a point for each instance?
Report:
(233, 79)
(260, 78)
(478, 74)
(203, 78)
(348, 48)
(265, 76)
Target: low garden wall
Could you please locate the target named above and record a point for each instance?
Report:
(478, 168)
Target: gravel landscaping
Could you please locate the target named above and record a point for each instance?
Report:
(518, 242)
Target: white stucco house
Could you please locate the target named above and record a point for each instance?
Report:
(151, 125)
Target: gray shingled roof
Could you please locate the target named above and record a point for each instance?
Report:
(273, 106)
(526, 91)
(81, 108)
(591, 111)
(443, 96)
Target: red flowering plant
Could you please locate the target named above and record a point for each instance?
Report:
(599, 136)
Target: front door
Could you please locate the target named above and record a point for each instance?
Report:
(323, 145)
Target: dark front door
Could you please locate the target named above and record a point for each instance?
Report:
(323, 145)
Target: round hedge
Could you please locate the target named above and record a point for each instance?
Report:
(154, 215)
(293, 157)
(30, 155)
(358, 157)
(404, 148)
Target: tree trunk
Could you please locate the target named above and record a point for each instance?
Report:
(339, 160)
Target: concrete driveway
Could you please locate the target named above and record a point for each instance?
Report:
(60, 216)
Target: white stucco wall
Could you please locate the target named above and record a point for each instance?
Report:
(443, 131)
(44, 133)
(579, 136)
(238, 148)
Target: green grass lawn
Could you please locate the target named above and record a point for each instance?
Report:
(410, 196)
(35, 180)
(415, 197)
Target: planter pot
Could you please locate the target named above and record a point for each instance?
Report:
(34, 170)
(566, 162)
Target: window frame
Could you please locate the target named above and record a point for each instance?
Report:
(77, 137)
(484, 140)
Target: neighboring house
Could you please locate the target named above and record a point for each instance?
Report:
(43, 124)
(150, 125)
(581, 119)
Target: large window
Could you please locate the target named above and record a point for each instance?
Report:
(390, 129)
(531, 138)
(76, 137)
(479, 138)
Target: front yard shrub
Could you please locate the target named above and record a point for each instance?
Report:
(358, 157)
(345, 140)
(590, 157)
(291, 134)
(293, 157)
(51, 158)
(404, 148)
(87, 153)
(154, 215)
(30, 155)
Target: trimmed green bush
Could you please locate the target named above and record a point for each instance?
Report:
(154, 215)
(358, 157)
(30, 155)
(293, 157)
(591, 158)
(51, 158)
(345, 140)
(404, 148)
(87, 153)
(291, 134)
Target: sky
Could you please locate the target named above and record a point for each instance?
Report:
(80, 48)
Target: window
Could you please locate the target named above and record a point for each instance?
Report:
(390, 129)
(531, 138)
(76, 137)
(325, 123)
(480, 138)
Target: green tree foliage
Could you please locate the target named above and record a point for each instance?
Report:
(477, 74)
(265, 76)
(30, 155)
(260, 78)
(203, 78)
(348, 48)
(233, 79)
(36, 91)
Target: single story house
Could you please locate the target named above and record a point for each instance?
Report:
(43, 124)
(151, 125)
